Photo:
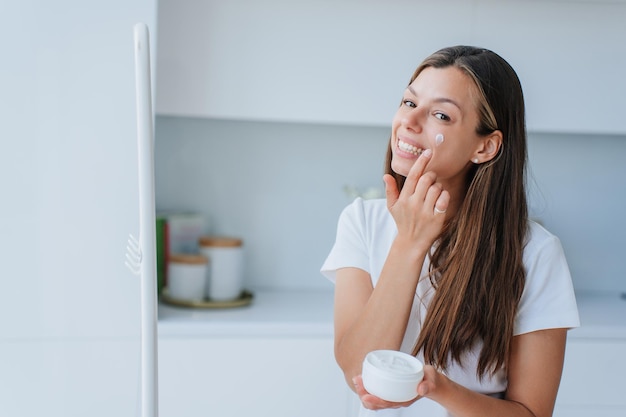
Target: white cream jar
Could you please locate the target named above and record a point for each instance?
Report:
(225, 272)
(186, 276)
(392, 375)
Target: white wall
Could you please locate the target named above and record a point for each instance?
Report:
(577, 188)
(280, 186)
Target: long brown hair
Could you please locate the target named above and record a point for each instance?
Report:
(477, 266)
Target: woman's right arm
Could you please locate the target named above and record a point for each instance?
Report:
(368, 318)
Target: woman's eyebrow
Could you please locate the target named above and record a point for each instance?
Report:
(437, 100)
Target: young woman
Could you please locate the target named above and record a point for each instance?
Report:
(448, 267)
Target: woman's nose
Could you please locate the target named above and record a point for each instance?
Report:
(412, 120)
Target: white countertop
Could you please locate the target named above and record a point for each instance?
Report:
(309, 313)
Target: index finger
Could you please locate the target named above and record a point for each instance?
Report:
(416, 171)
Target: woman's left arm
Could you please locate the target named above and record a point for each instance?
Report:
(534, 375)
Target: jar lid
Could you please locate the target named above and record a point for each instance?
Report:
(219, 241)
(187, 258)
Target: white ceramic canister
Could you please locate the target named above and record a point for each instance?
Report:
(225, 272)
(392, 375)
(186, 276)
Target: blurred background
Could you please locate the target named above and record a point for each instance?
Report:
(270, 116)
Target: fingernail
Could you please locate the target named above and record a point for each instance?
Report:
(354, 381)
(427, 152)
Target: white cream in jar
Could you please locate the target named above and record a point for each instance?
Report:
(392, 375)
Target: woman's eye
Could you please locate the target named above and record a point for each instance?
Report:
(442, 116)
(409, 103)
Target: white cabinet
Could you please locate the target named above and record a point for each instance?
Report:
(594, 374)
(244, 376)
(595, 362)
(71, 378)
(323, 61)
(69, 339)
(274, 358)
(347, 62)
(69, 74)
(570, 57)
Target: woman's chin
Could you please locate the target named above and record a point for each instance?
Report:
(401, 167)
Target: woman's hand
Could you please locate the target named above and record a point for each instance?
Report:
(431, 383)
(373, 402)
(419, 209)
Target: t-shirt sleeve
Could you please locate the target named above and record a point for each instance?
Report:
(548, 300)
(350, 247)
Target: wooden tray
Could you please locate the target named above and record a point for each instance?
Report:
(243, 300)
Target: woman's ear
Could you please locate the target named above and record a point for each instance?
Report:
(489, 148)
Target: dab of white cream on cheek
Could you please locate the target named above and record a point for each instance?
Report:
(439, 139)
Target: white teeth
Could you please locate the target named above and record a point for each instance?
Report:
(407, 147)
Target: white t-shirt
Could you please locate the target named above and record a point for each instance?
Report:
(365, 233)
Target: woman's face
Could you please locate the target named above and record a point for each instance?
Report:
(437, 112)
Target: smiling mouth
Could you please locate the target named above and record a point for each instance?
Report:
(407, 147)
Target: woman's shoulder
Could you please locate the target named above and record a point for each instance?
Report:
(538, 238)
(548, 300)
(370, 216)
(366, 209)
